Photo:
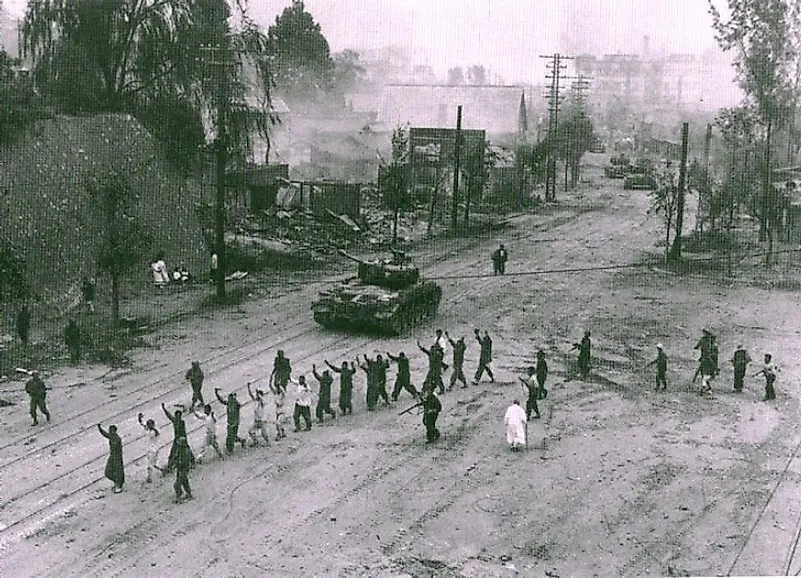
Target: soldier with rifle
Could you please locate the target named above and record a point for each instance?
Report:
(431, 409)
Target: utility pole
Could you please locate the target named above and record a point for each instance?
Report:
(705, 192)
(218, 59)
(675, 250)
(554, 98)
(456, 155)
(578, 96)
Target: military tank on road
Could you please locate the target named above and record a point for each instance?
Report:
(386, 296)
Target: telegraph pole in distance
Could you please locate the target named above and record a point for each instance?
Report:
(456, 151)
(577, 89)
(218, 59)
(554, 97)
(675, 250)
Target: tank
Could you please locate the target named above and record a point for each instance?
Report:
(386, 296)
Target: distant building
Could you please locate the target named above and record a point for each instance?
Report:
(493, 108)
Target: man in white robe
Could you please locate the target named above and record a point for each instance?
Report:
(515, 420)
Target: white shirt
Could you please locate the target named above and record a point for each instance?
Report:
(210, 423)
(152, 439)
(304, 397)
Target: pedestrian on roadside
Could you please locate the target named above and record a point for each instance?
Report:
(210, 439)
(484, 357)
(258, 427)
(303, 403)
(740, 361)
(346, 373)
(115, 468)
(459, 347)
(152, 446)
(584, 347)
(661, 368)
(72, 337)
(542, 374)
(515, 420)
(194, 376)
(37, 391)
(324, 396)
(533, 391)
(499, 258)
(88, 292)
(403, 379)
(769, 371)
(233, 408)
(178, 431)
(183, 461)
(24, 324)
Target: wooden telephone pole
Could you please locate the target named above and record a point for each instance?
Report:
(554, 99)
(456, 155)
(675, 250)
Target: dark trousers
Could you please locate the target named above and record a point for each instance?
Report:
(543, 393)
(402, 383)
(171, 458)
(531, 404)
(232, 437)
(197, 396)
(434, 381)
(482, 367)
(302, 411)
(182, 482)
(770, 393)
(372, 396)
(739, 376)
(661, 381)
(381, 389)
(498, 267)
(346, 402)
(584, 366)
(430, 421)
(40, 404)
(458, 375)
(324, 407)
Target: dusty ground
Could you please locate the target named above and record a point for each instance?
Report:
(618, 481)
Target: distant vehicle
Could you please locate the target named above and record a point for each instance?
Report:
(386, 297)
(618, 167)
(638, 182)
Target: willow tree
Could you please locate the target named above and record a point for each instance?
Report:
(760, 34)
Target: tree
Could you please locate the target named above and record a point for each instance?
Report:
(665, 202)
(348, 72)
(123, 239)
(574, 137)
(455, 76)
(477, 75)
(394, 182)
(760, 33)
(13, 283)
(19, 104)
(300, 54)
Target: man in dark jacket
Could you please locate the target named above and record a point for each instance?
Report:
(232, 433)
(195, 377)
(499, 258)
(36, 390)
(345, 385)
(459, 347)
(542, 374)
(740, 361)
(484, 357)
(178, 431)
(431, 409)
(324, 396)
(403, 380)
(435, 366)
(584, 348)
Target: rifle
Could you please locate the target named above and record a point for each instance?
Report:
(408, 409)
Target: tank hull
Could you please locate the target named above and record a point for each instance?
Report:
(357, 307)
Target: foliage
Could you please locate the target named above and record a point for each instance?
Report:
(665, 200)
(574, 136)
(476, 75)
(455, 76)
(348, 71)
(19, 105)
(400, 145)
(175, 123)
(394, 178)
(13, 282)
(300, 54)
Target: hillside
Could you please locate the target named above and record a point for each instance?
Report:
(46, 210)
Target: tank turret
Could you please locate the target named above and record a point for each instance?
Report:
(387, 295)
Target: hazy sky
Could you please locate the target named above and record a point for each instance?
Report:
(506, 36)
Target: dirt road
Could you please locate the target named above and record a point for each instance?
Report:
(617, 480)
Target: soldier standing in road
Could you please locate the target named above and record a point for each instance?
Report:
(72, 337)
(178, 431)
(345, 385)
(435, 366)
(740, 361)
(542, 374)
(282, 370)
(210, 439)
(303, 403)
(37, 391)
(233, 408)
(499, 258)
(484, 357)
(584, 347)
(115, 468)
(431, 409)
(183, 461)
(194, 376)
(459, 347)
(152, 446)
(533, 389)
(24, 324)
(324, 396)
(403, 380)
(258, 427)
